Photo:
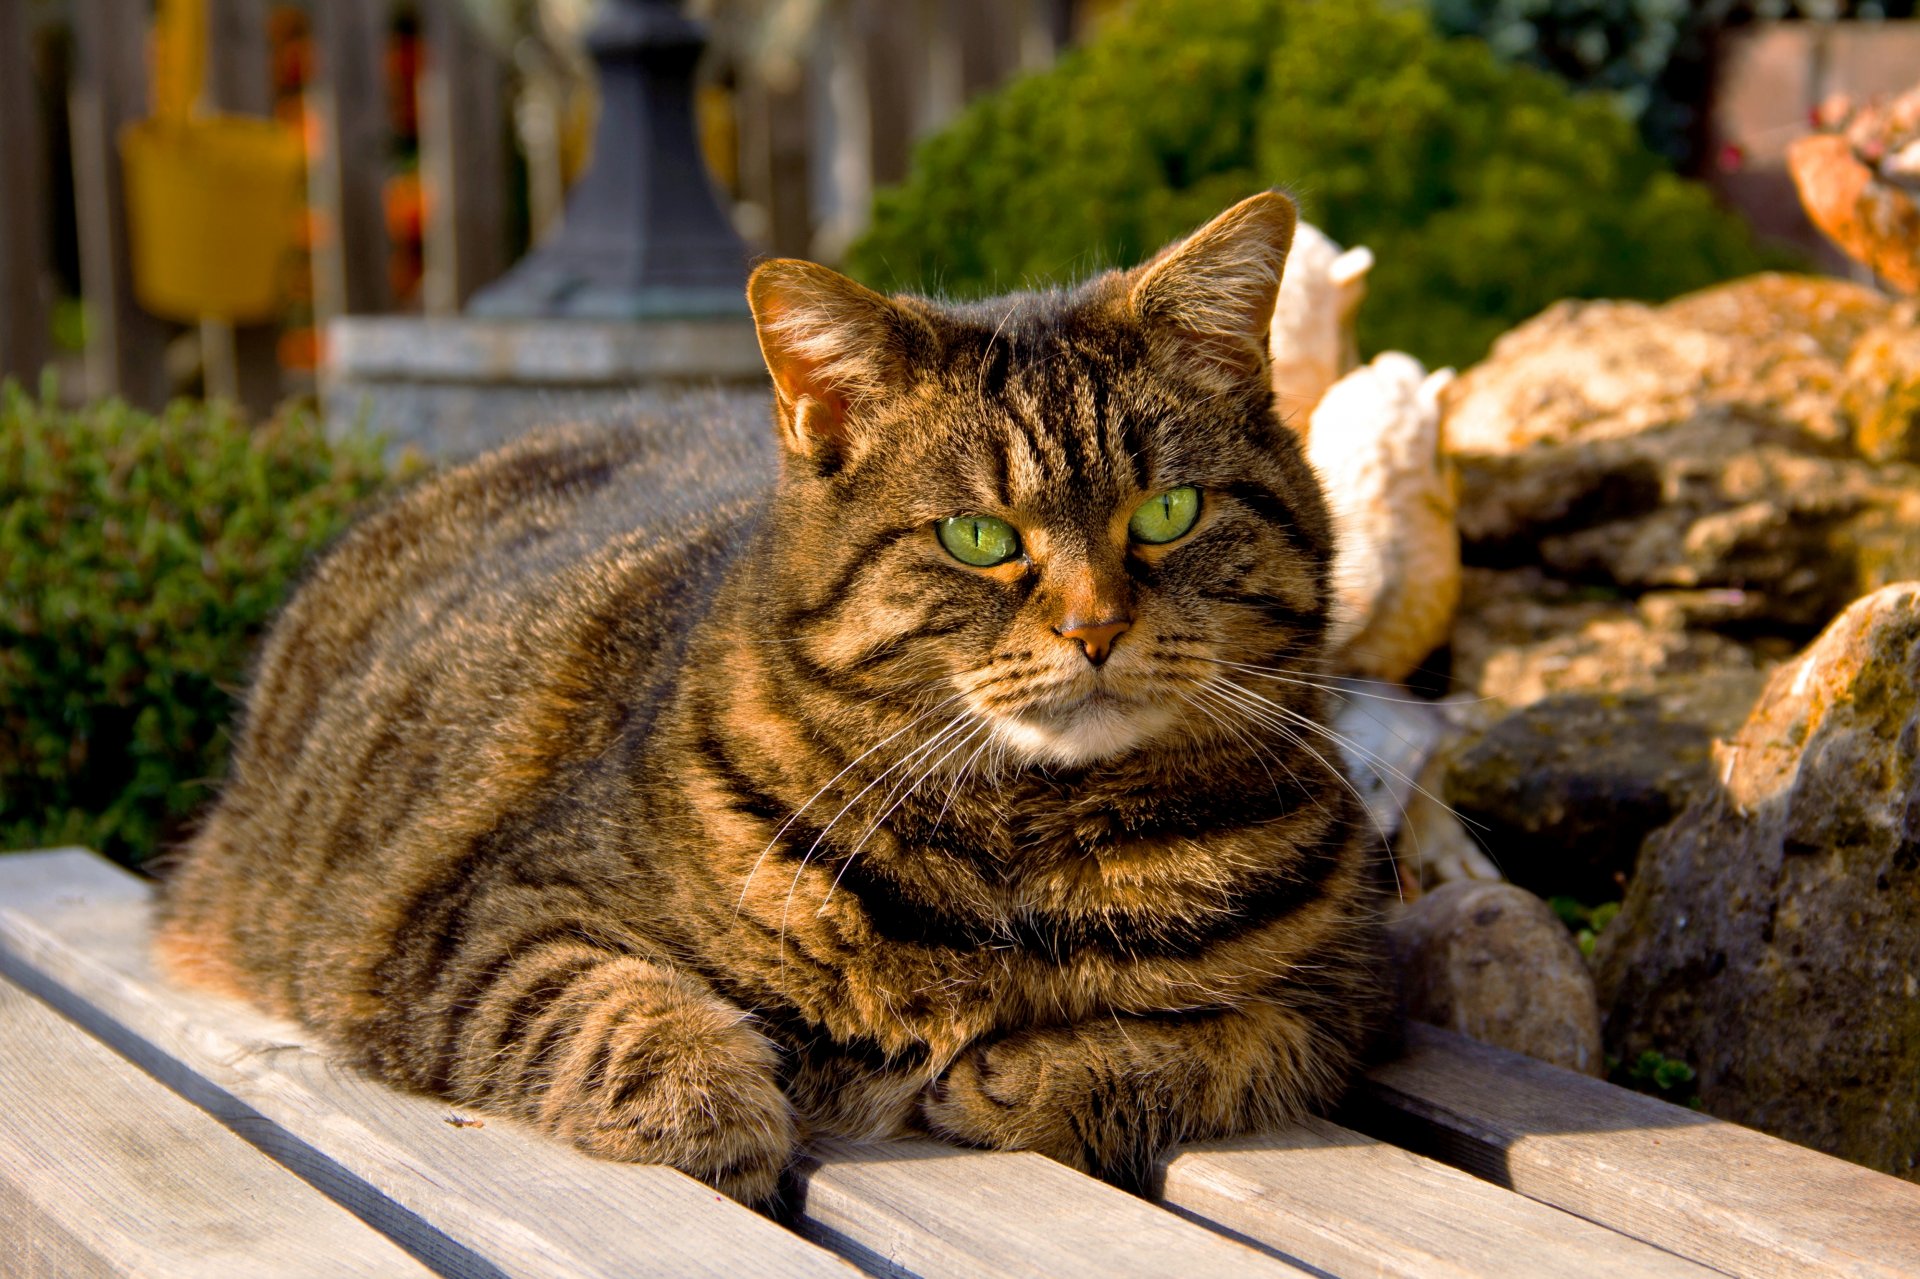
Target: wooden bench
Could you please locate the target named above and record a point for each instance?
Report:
(147, 1130)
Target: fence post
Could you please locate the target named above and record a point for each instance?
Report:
(346, 172)
(774, 129)
(23, 209)
(126, 347)
(895, 65)
(842, 125)
(462, 158)
(242, 363)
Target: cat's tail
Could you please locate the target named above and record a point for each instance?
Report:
(193, 937)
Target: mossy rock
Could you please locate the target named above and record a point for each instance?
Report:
(1883, 393)
(1562, 792)
(1771, 934)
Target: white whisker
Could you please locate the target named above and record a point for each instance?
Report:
(881, 820)
(1234, 693)
(831, 782)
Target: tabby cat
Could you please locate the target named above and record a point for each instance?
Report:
(949, 767)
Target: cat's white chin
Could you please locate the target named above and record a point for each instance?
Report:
(1096, 729)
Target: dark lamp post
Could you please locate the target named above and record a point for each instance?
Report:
(643, 236)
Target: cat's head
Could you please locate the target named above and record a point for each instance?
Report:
(1051, 515)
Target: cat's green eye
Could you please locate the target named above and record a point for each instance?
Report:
(1163, 518)
(979, 540)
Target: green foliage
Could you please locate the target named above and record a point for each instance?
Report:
(1486, 190)
(1653, 57)
(1657, 1075)
(140, 557)
(1586, 923)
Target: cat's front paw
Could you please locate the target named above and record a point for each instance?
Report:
(690, 1084)
(1041, 1090)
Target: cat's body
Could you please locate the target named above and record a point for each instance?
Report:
(612, 783)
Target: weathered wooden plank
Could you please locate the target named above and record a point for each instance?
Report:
(489, 1199)
(23, 214)
(1727, 1196)
(920, 1208)
(242, 363)
(774, 157)
(463, 158)
(891, 48)
(104, 1170)
(841, 119)
(126, 347)
(349, 97)
(239, 71)
(1352, 1205)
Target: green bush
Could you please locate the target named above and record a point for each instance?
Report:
(1486, 190)
(140, 557)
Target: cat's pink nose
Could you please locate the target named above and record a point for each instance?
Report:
(1096, 638)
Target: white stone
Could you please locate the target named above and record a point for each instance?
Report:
(1311, 337)
(1375, 444)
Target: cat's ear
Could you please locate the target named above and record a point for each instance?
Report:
(833, 347)
(1208, 300)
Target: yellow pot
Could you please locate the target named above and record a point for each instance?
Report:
(211, 208)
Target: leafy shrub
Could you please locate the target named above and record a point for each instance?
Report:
(140, 557)
(1486, 190)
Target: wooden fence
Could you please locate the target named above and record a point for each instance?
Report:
(801, 126)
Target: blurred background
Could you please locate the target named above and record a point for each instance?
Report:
(1496, 154)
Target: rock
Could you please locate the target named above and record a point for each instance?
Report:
(1523, 635)
(1700, 449)
(1311, 336)
(1586, 371)
(1657, 506)
(1597, 715)
(1375, 443)
(1562, 792)
(1491, 961)
(1391, 747)
(1382, 741)
(1771, 937)
(1903, 166)
(1883, 393)
(1433, 847)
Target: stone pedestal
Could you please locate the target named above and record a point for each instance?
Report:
(452, 388)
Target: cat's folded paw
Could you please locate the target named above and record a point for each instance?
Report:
(1055, 1093)
(684, 1081)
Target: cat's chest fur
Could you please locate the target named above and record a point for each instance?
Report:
(919, 918)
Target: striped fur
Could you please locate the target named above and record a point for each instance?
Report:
(678, 793)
